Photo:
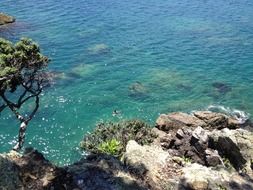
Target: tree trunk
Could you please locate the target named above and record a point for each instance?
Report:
(21, 136)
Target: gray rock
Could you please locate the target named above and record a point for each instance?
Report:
(9, 174)
(150, 162)
(196, 177)
(200, 134)
(213, 120)
(6, 19)
(213, 158)
(177, 120)
(236, 145)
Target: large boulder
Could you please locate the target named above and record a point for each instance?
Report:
(199, 177)
(235, 145)
(31, 171)
(152, 163)
(166, 122)
(212, 119)
(6, 19)
(206, 119)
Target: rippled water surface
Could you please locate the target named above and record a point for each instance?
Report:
(140, 57)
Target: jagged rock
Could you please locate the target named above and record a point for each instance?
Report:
(102, 172)
(196, 177)
(150, 162)
(213, 158)
(177, 120)
(163, 139)
(6, 19)
(38, 173)
(236, 145)
(234, 123)
(189, 144)
(200, 135)
(9, 173)
(212, 119)
(164, 123)
(31, 171)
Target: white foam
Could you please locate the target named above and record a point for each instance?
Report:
(239, 115)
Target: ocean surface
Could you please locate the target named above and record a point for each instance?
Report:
(138, 57)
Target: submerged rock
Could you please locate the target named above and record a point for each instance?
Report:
(99, 49)
(6, 19)
(184, 87)
(222, 88)
(137, 89)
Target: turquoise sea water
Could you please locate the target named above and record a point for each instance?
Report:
(140, 57)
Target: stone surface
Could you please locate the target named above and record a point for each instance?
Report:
(236, 145)
(212, 158)
(6, 19)
(149, 162)
(102, 172)
(212, 119)
(177, 120)
(196, 177)
(9, 174)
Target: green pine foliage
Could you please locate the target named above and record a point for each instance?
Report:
(19, 62)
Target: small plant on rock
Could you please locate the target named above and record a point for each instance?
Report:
(187, 159)
(221, 187)
(112, 147)
(227, 163)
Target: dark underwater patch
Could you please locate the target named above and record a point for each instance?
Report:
(222, 88)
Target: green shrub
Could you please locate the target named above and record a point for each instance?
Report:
(106, 135)
(112, 147)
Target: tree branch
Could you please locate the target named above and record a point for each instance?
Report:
(12, 108)
(2, 107)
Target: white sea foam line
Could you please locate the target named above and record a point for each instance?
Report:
(239, 115)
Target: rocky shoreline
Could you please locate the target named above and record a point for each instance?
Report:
(6, 19)
(200, 151)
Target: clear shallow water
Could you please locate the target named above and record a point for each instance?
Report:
(176, 52)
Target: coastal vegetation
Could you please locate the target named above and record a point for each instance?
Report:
(22, 79)
(112, 138)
